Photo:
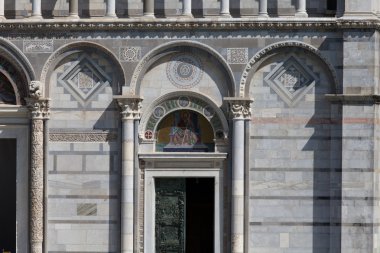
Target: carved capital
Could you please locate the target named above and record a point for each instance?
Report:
(39, 108)
(130, 106)
(239, 108)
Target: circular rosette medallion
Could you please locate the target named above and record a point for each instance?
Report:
(184, 71)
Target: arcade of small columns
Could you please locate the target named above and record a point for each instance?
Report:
(149, 8)
(130, 114)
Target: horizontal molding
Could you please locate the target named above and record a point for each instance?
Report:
(353, 98)
(314, 224)
(82, 222)
(311, 137)
(313, 198)
(82, 197)
(315, 170)
(176, 23)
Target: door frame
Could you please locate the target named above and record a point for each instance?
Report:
(14, 124)
(189, 165)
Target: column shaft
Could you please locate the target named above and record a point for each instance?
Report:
(301, 9)
(225, 7)
(36, 187)
(127, 193)
(263, 8)
(73, 9)
(149, 8)
(36, 8)
(111, 9)
(237, 223)
(186, 8)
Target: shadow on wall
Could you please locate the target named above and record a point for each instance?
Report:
(326, 144)
(111, 113)
(84, 8)
(10, 9)
(48, 7)
(197, 8)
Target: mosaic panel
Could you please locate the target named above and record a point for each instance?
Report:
(130, 54)
(291, 80)
(237, 55)
(84, 79)
(184, 70)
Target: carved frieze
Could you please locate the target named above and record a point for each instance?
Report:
(38, 46)
(82, 137)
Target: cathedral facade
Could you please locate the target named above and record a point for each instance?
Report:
(140, 126)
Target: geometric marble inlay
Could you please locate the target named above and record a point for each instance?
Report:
(84, 79)
(291, 80)
(184, 70)
(237, 55)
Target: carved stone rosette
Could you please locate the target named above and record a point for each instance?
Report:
(39, 111)
(239, 108)
(130, 106)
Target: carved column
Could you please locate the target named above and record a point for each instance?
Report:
(240, 112)
(130, 112)
(2, 7)
(263, 8)
(149, 8)
(39, 111)
(186, 8)
(225, 8)
(36, 9)
(111, 9)
(73, 9)
(301, 9)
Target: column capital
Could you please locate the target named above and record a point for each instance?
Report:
(239, 108)
(39, 108)
(130, 106)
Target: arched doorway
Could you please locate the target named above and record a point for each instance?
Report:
(183, 174)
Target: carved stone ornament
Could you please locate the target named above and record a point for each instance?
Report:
(36, 189)
(39, 108)
(35, 89)
(82, 137)
(130, 106)
(239, 108)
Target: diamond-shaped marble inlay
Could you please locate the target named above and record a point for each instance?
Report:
(84, 79)
(291, 80)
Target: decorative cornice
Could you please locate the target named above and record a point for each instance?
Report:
(239, 108)
(39, 108)
(130, 106)
(181, 24)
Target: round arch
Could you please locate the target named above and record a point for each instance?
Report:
(76, 47)
(17, 64)
(267, 51)
(183, 100)
(159, 52)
